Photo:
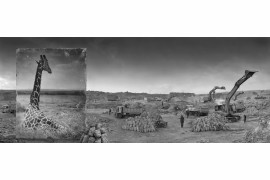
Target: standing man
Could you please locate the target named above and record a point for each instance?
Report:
(187, 112)
(182, 120)
(110, 110)
(245, 118)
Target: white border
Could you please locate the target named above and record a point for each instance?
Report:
(107, 18)
(121, 18)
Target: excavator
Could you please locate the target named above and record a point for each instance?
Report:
(211, 94)
(238, 94)
(228, 108)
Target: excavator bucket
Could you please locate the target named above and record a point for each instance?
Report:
(249, 73)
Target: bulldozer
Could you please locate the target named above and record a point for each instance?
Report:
(228, 107)
(211, 95)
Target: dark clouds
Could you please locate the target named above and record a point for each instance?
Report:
(159, 65)
(178, 64)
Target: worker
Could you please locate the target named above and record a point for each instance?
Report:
(110, 110)
(187, 112)
(245, 118)
(182, 120)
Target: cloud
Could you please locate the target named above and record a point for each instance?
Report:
(150, 64)
(7, 83)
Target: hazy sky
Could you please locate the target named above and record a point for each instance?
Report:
(156, 65)
(67, 65)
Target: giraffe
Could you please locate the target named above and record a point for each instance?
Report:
(34, 118)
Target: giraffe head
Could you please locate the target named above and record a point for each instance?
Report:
(44, 64)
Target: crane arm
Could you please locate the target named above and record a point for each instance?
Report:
(212, 92)
(239, 93)
(247, 75)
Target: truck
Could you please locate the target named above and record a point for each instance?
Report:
(122, 111)
(197, 111)
(260, 97)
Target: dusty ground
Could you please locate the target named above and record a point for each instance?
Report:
(7, 120)
(7, 127)
(256, 108)
(62, 109)
(174, 133)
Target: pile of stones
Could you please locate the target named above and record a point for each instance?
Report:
(95, 134)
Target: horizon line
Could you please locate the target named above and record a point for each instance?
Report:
(178, 92)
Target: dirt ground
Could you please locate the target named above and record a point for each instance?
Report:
(7, 125)
(255, 108)
(173, 133)
(7, 120)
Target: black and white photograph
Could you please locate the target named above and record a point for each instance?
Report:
(50, 94)
(143, 90)
(134, 89)
(178, 90)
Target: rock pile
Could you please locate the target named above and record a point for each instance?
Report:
(260, 133)
(146, 122)
(95, 134)
(212, 122)
(140, 124)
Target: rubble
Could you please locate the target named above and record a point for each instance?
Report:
(212, 122)
(261, 133)
(146, 122)
(95, 134)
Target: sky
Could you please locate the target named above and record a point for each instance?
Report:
(67, 65)
(156, 65)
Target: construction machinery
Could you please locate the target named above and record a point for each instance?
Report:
(197, 111)
(236, 107)
(123, 111)
(260, 97)
(238, 94)
(228, 107)
(211, 95)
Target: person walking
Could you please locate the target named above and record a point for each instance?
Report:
(182, 120)
(245, 118)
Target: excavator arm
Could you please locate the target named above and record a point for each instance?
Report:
(247, 75)
(212, 93)
(238, 94)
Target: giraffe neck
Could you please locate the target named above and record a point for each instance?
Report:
(34, 98)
